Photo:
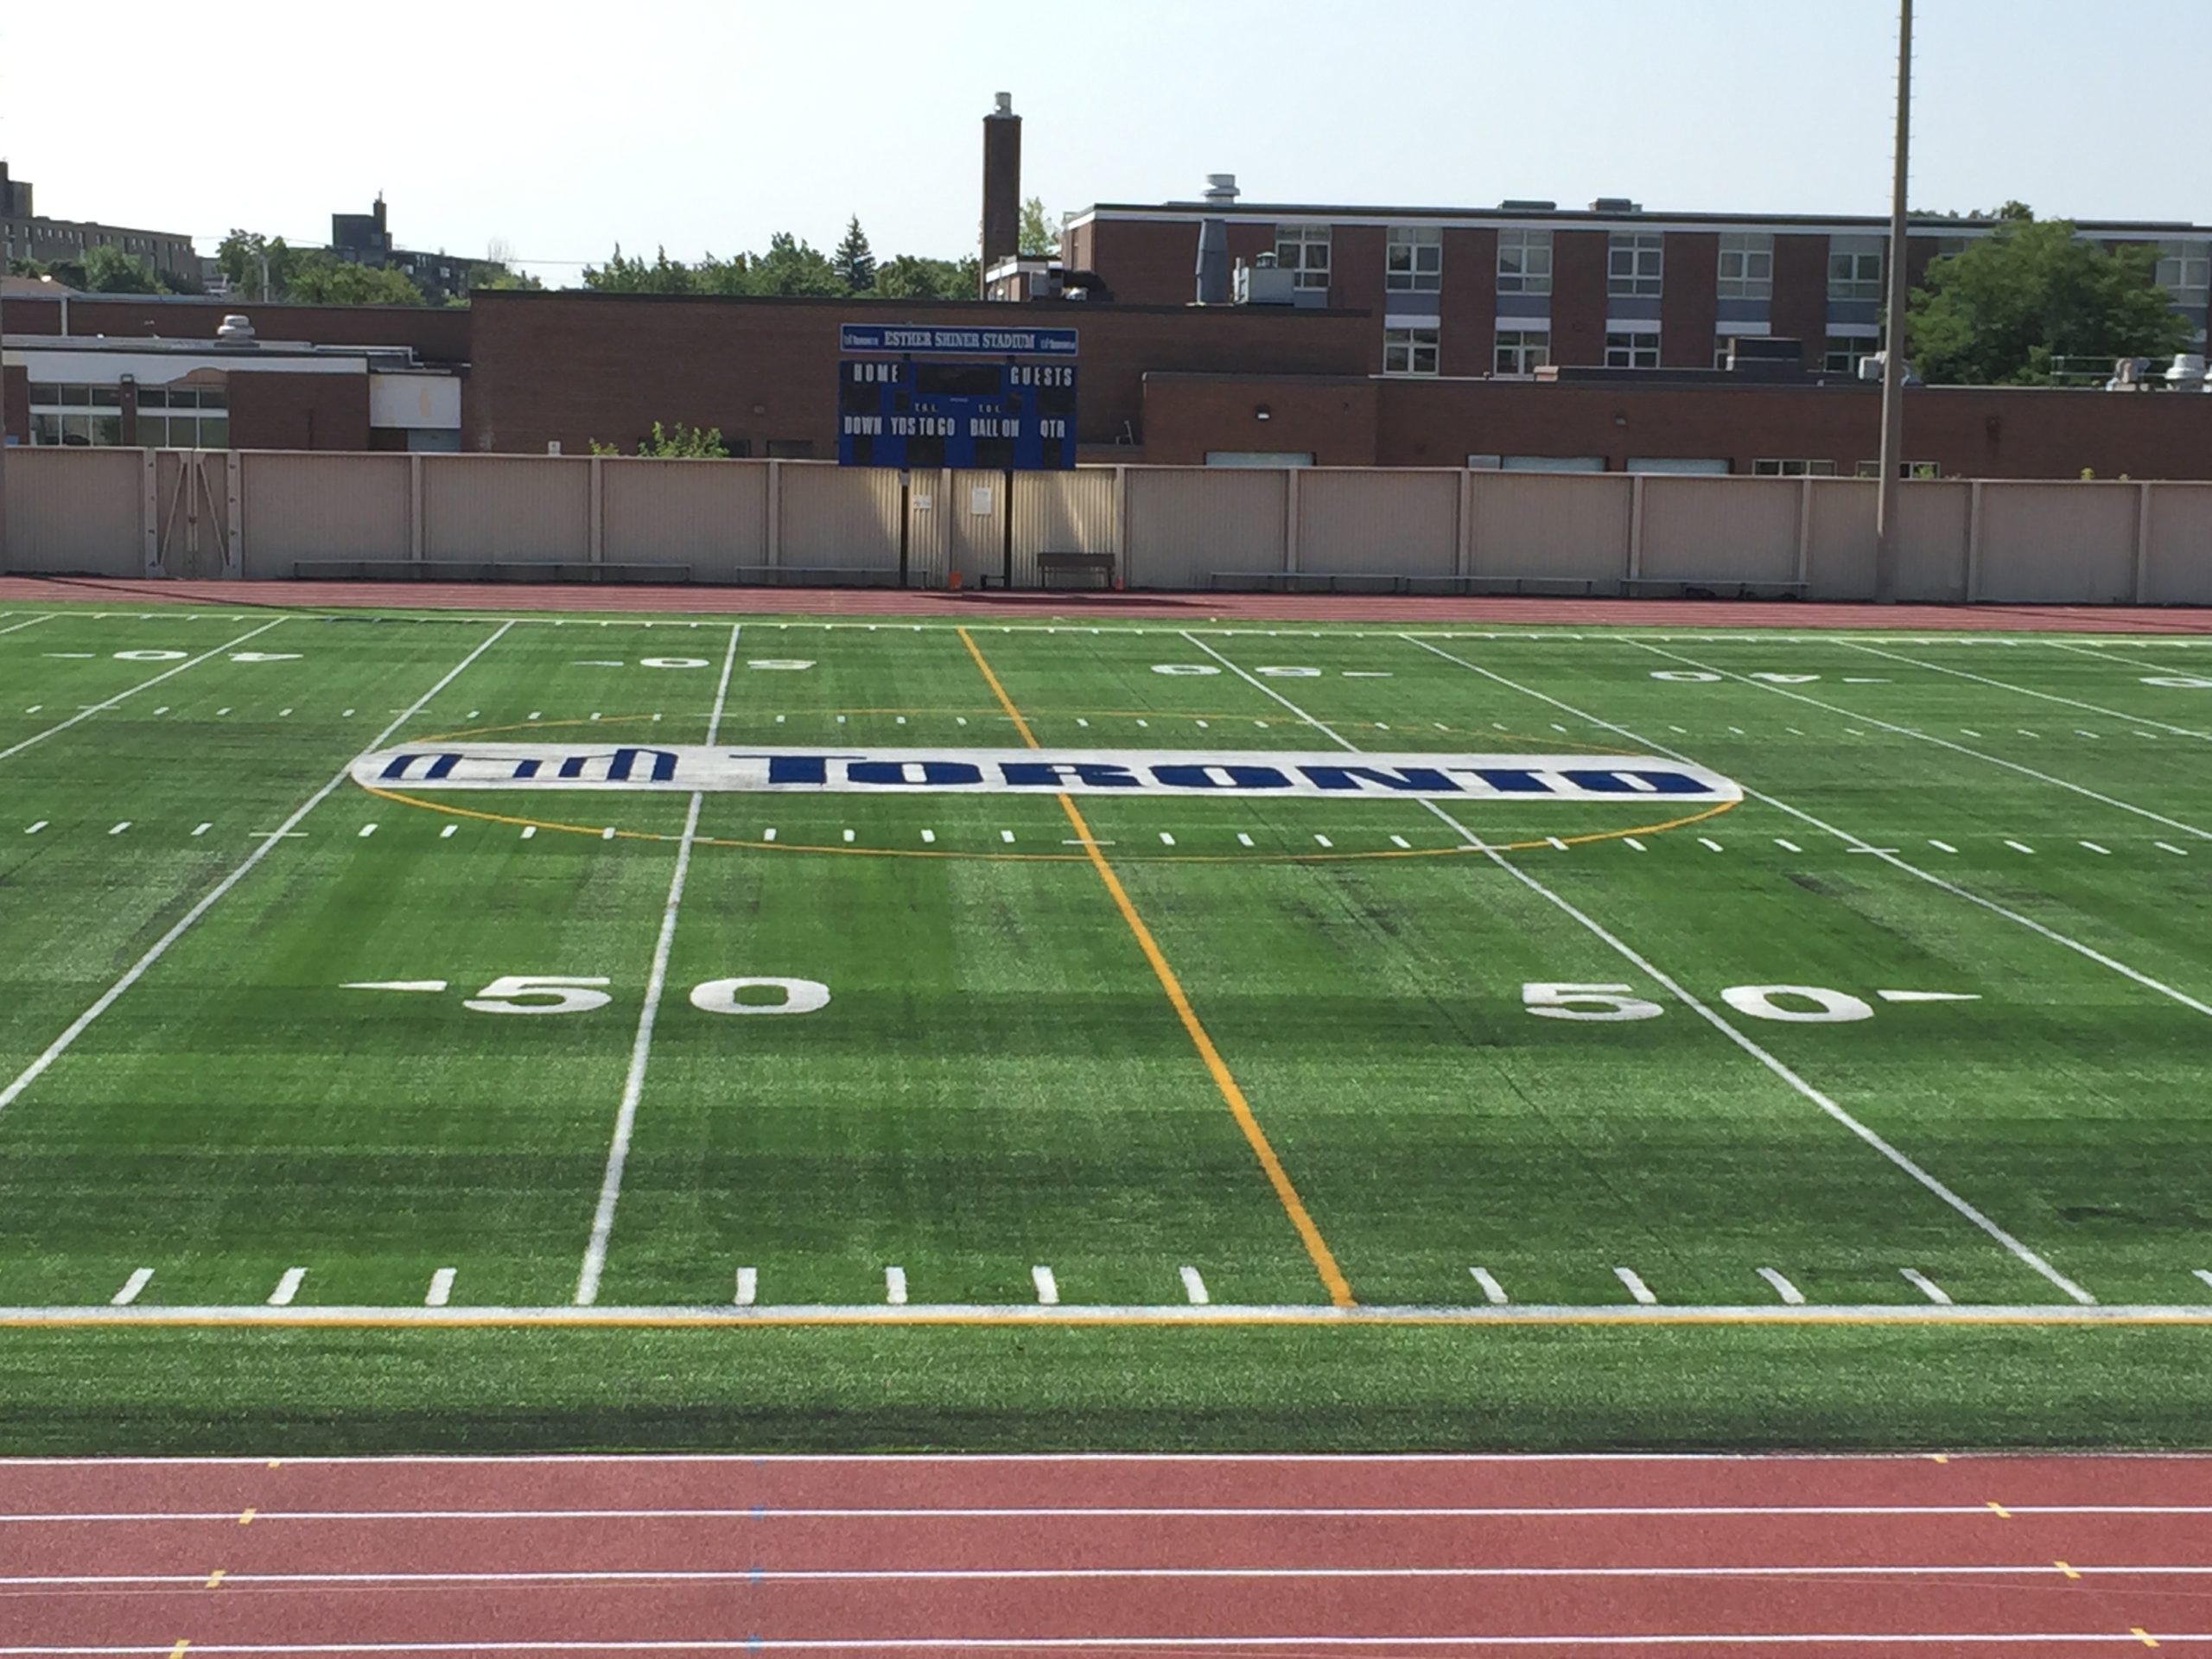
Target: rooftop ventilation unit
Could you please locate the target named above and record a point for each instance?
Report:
(1221, 187)
(1518, 205)
(236, 330)
(1615, 204)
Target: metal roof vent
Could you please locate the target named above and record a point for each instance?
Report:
(1523, 205)
(1221, 187)
(1615, 204)
(1004, 102)
(236, 330)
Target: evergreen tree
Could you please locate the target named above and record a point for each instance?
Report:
(853, 260)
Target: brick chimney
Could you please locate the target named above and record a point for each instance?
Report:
(1001, 188)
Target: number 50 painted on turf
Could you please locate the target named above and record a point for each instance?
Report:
(575, 994)
(1567, 1002)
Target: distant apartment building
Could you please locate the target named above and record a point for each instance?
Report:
(25, 234)
(366, 239)
(1505, 291)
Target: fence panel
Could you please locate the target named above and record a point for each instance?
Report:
(838, 519)
(1720, 530)
(1385, 522)
(1840, 557)
(975, 525)
(1061, 512)
(76, 511)
(2057, 542)
(520, 508)
(1932, 522)
(1552, 525)
(710, 515)
(297, 505)
(2177, 556)
(1187, 523)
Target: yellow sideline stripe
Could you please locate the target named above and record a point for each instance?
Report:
(1324, 1262)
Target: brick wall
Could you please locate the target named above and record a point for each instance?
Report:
(1688, 302)
(1578, 296)
(299, 411)
(1800, 307)
(439, 334)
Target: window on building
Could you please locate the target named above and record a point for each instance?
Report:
(1950, 247)
(1303, 249)
(1413, 259)
(1524, 261)
(1632, 263)
(1907, 469)
(1523, 350)
(2185, 271)
(1747, 266)
(1627, 350)
(78, 417)
(183, 417)
(1409, 350)
(1844, 352)
(1854, 268)
(1793, 469)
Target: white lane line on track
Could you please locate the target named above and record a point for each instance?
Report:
(90, 710)
(1725, 1026)
(1940, 742)
(1927, 1286)
(1493, 1292)
(155, 952)
(1632, 1283)
(1855, 844)
(2024, 691)
(1788, 1292)
(641, 1045)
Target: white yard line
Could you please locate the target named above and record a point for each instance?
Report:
(1940, 742)
(1725, 1026)
(440, 1292)
(1927, 1286)
(2108, 656)
(17, 627)
(1854, 843)
(97, 708)
(267, 844)
(1048, 1286)
(641, 1046)
(1493, 1292)
(1788, 1292)
(1632, 1283)
(137, 1281)
(288, 1287)
(894, 1286)
(2026, 691)
(749, 1287)
(1194, 1286)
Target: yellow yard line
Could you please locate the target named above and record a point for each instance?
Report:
(1324, 1262)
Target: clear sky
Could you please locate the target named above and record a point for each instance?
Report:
(564, 128)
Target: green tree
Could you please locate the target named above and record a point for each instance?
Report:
(676, 442)
(1997, 313)
(1037, 239)
(320, 277)
(909, 277)
(109, 269)
(854, 261)
(791, 267)
(633, 275)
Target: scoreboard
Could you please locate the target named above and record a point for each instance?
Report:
(1005, 416)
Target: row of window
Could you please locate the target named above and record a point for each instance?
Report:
(1417, 350)
(1636, 262)
(169, 417)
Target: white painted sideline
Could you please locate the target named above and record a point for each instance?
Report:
(1940, 742)
(1855, 844)
(120, 696)
(2025, 690)
(641, 1047)
(1726, 1027)
(138, 970)
(17, 627)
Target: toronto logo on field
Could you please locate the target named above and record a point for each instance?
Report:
(840, 770)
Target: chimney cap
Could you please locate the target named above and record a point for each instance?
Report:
(1221, 187)
(1002, 103)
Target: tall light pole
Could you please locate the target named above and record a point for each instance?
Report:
(1886, 497)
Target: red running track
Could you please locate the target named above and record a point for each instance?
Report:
(1192, 1556)
(1397, 612)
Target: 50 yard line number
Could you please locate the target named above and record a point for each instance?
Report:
(580, 993)
(1804, 1005)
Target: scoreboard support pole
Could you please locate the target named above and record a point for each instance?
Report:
(906, 522)
(1006, 532)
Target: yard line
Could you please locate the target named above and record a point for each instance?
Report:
(1888, 856)
(1493, 1292)
(1708, 844)
(641, 1046)
(1726, 1027)
(1194, 1287)
(2205, 1274)
(2093, 848)
(1941, 846)
(137, 1281)
(1232, 1094)
(35, 828)
(2025, 690)
(446, 833)
(894, 1286)
(441, 1291)
(287, 1288)
(1940, 742)
(1782, 1288)
(748, 1286)
(367, 830)
(2168, 847)
(1400, 841)
(201, 829)
(1927, 1286)
(155, 952)
(1788, 846)
(1634, 843)
(17, 627)
(1048, 1286)
(1633, 1283)
(120, 828)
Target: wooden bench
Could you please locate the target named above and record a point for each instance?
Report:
(1097, 564)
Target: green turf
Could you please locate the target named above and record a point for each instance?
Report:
(998, 1081)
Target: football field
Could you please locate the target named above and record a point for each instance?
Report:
(1762, 1013)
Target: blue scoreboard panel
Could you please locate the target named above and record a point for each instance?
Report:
(898, 412)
